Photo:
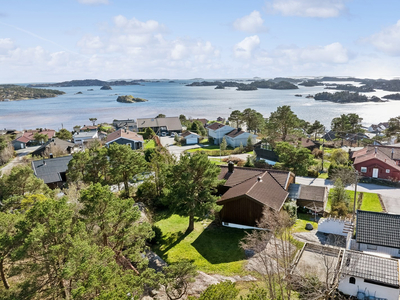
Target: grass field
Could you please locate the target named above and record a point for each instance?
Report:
(370, 201)
(302, 220)
(212, 249)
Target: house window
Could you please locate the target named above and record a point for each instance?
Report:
(387, 170)
(352, 280)
(129, 144)
(363, 169)
(372, 247)
(266, 146)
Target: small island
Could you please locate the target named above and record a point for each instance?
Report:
(106, 87)
(392, 96)
(219, 87)
(12, 92)
(346, 97)
(130, 99)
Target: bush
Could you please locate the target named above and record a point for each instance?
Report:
(339, 156)
(249, 162)
(222, 291)
(262, 164)
(317, 153)
(339, 209)
(312, 173)
(241, 163)
(291, 208)
(157, 235)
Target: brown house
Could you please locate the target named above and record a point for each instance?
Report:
(247, 191)
(378, 162)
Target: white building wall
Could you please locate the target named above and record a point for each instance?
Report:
(379, 249)
(332, 225)
(369, 289)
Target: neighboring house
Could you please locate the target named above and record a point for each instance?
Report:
(125, 137)
(82, 137)
(27, 138)
(377, 232)
(368, 276)
(266, 153)
(313, 198)
(378, 128)
(329, 136)
(88, 128)
(247, 191)
(202, 121)
(221, 119)
(190, 138)
(377, 163)
(216, 131)
(238, 137)
(161, 126)
(128, 124)
(62, 145)
(52, 171)
(392, 151)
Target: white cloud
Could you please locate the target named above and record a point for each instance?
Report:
(252, 23)
(6, 45)
(308, 8)
(245, 48)
(387, 40)
(93, 2)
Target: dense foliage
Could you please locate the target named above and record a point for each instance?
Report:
(17, 92)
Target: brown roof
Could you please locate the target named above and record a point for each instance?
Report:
(130, 135)
(88, 127)
(172, 123)
(187, 133)
(202, 121)
(235, 132)
(314, 193)
(257, 184)
(28, 135)
(379, 156)
(215, 126)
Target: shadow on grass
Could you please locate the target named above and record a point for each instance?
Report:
(220, 244)
(172, 239)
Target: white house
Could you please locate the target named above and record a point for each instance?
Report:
(190, 137)
(363, 275)
(377, 232)
(237, 136)
(216, 131)
(82, 137)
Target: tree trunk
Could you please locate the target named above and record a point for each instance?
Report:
(126, 185)
(191, 224)
(3, 276)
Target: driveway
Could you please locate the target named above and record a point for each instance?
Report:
(17, 160)
(168, 142)
(390, 195)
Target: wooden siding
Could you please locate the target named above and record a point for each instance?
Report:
(381, 166)
(241, 211)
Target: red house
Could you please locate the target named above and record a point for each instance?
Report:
(376, 163)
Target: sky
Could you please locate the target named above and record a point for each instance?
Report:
(51, 41)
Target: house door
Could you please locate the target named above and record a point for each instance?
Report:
(375, 172)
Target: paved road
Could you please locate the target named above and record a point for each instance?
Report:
(17, 160)
(390, 195)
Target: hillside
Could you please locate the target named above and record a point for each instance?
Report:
(17, 92)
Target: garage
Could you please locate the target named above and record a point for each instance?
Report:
(191, 141)
(190, 138)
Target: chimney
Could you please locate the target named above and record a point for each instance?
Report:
(391, 155)
(51, 155)
(259, 179)
(239, 129)
(44, 162)
(376, 150)
(231, 167)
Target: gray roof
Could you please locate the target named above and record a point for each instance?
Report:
(172, 123)
(49, 169)
(84, 134)
(378, 229)
(56, 142)
(371, 267)
(307, 192)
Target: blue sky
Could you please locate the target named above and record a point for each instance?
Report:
(51, 40)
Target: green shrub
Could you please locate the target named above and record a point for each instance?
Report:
(312, 173)
(222, 291)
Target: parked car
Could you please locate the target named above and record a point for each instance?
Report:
(163, 134)
(173, 134)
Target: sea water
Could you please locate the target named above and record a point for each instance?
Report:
(173, 99)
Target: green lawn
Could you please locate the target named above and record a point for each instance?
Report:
(371, 202)
(216, 161)
(149, 144)
(205, 149)
(302, 220)
(212, 249)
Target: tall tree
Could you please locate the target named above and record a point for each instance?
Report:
(93, 120)
(341, 126)
(282, 122)
(41, 137)
(64, 134)
(191, 187)
(394, 127)
(198, 128)
(293, 158)
(125, 163)
(236, 118)
(253, 119)
(316, 128)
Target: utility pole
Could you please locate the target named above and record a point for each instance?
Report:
(355, 196)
